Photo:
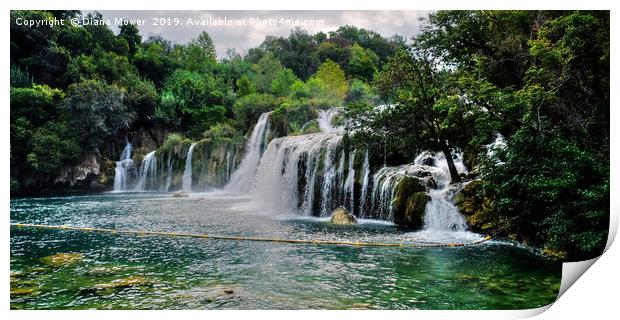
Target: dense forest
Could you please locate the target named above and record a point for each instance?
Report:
(537, 82)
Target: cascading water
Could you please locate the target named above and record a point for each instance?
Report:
(169, 174)
(365, 177)
(288, 174)
(187, 173)
(240, 180)
(349, 184)
(441, 213)
(325, 121)
(147, 173)
(123, 169)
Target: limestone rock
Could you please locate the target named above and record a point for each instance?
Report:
(342, 216)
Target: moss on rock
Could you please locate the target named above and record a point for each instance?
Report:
(410, 199)
(477, 208)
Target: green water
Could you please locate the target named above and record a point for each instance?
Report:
(111, 271)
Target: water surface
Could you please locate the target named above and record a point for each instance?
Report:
(185, 273)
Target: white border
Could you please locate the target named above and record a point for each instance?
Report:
(594, 295)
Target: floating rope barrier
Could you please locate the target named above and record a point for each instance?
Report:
(254, 239)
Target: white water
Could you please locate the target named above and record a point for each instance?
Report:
(349, 184)
(123, 168)
(325, 120)
(169, 175)
(441, 213)
(186, 181)
(365, 178)
(282, 166)
(241, 178)
(147, 169)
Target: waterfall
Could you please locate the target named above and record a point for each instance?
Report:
(187, 173)
(147, 173)
(384, 183)
(325, 120)
(441, 213)
(365, 173)
(292, 172)
(169, 175)
(349, 184)
(123, 168)
(241, 178)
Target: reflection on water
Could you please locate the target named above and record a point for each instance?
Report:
(108, 271)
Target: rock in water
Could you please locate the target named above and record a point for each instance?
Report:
(180, 195)
(62, 259)
(342, 216)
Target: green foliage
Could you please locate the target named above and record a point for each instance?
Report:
(245, 86)
(248, 108)
(363, 63)
(281, 84)
(333, 78)
(96, 111)
(19, 78)
(265, 71)
(221, 132)
(554, 191)
(172, 140)
(290, 116)
(52, 146)
(38, 103)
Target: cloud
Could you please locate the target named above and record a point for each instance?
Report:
(174, 26)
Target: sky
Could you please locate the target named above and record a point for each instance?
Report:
(247, 29)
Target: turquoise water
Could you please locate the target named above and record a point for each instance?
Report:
(112, 271)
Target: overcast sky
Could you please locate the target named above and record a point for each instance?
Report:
(243, 37)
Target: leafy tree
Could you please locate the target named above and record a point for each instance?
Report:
(205, 43)
(420, 110)
(265, 72)
(97, 111)
(131, 34)
(332, 75)
(363, 63)
(38, 104)
(281, 84)
(245, 86)
(53, 146)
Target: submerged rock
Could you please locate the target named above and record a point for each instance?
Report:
(132, 281)
(62, 259)
(410, 199)
(342, 216)
(22, 291)
(180, 195)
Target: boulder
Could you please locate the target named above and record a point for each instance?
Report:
(477, 208)
(342, 216)
(180, 195)
(410, 199)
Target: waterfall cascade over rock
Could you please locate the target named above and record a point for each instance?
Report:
(241, 178)
(123, 170)
(310, 174)
(148, 173)
(187, 172)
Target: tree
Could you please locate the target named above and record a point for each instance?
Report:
(363, 63)
(421, 107)
(97, 111)
(265, 71)
(281, 84)
(332, 75)
(131, 34)
(205, 43)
